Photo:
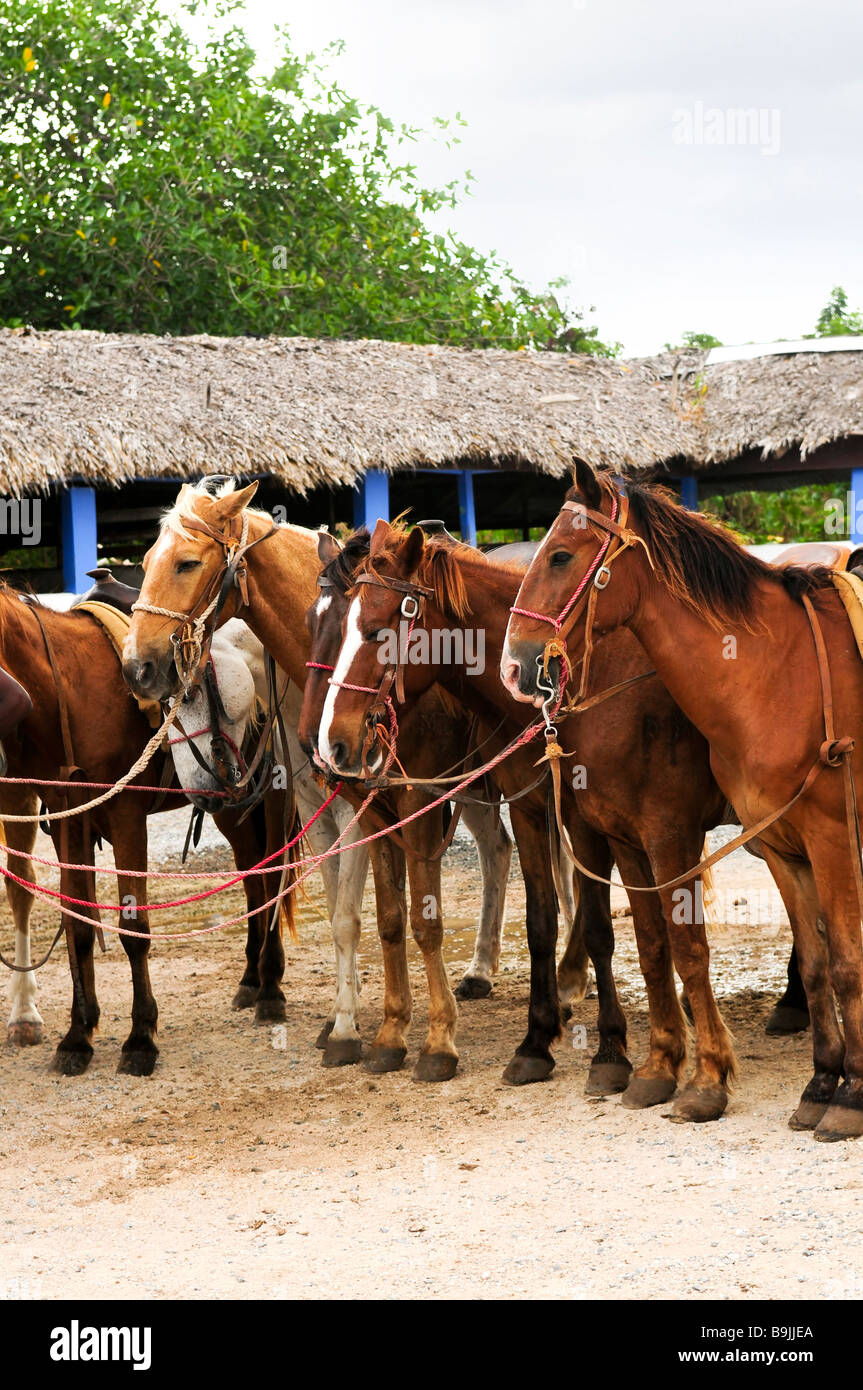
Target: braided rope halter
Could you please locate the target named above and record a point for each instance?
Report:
(618, 538)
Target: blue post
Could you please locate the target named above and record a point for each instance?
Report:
(372, 499)
(689, 493)
(466, 508)
(78, 532)
(855, 516)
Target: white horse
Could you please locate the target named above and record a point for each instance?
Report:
(240, 664)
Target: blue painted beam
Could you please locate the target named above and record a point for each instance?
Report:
(855, 512)
(466, 508)
(372, 499)
(78, 537)
(689, 493)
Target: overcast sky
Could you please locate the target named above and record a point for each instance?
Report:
(602, 150)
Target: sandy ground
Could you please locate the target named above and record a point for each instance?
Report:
(244, 1169)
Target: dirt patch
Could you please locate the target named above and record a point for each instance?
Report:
(244, 1169)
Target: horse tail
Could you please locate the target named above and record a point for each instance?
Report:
(708, 895)
(287, 906)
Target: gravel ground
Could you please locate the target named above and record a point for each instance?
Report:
(244, 1169)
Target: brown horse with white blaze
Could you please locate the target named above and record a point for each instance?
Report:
(648, 807)
(764, 663)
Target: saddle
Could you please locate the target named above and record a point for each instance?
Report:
(108, 590)
(110, 603)
(833, 555)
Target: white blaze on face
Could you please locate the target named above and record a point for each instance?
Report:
(506, 657)
(349, 650)
(322, 605)
(130, 649)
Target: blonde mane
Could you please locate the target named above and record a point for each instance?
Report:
(184, 506)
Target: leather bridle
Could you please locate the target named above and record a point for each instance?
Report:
(391, 690)
(191, 640)
(619, 537)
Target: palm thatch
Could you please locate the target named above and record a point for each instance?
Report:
(108, 408)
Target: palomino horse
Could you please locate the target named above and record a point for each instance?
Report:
(742, 647)
(204, 539)
(240, 661)
(648, 806)
(107, 732)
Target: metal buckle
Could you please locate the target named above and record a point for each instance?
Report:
(603, 570)
(406, 611)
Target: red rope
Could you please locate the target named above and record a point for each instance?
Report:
(313, 860)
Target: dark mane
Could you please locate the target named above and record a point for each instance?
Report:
(340, 571)
(701, 562)
(437, 569)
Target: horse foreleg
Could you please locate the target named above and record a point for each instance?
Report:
(533, 1060)
(75, 1050)
(494, 848)
(438, 1058)
(129, 841)
(389, 1049)
(25, 1022)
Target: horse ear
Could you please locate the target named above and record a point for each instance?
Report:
(234, 502)
(380, 536)
(411, 550)
(585, 480)
(328, 547)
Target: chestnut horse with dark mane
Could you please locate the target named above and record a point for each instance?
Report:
(108, 733)
(765, 664)
(647, 804)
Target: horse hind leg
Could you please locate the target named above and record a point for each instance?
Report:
(494, 849)
(25, 1027)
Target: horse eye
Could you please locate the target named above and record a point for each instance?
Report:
(559, 559)
(185, 565)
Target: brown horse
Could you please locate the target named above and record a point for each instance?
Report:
(281, 569)
(108, 732)
(648, 806)
(734, 641)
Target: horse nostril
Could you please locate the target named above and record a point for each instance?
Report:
(338, 753)
(513, 672)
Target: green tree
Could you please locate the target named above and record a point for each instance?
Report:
(693, 340)
(154, 184)
(836, 319)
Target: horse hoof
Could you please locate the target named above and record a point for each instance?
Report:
(473, 987)
(843, 1118)
(381, 1059)
(72, 1063)
(341, 1052)
(139, 1061)
(698, 1104)
(523, 1071)
(25, 1034)
(785, 1020)
(644, 1091)
(435, 1066)
(607, 1078)
(565, 1013)
(270, 1011)
(246, 997)
(808, 1114)
(321, 1039)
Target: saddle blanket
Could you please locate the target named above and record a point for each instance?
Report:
(850, 588)
(116, 626)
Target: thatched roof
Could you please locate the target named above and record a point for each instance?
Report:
(107, 408)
